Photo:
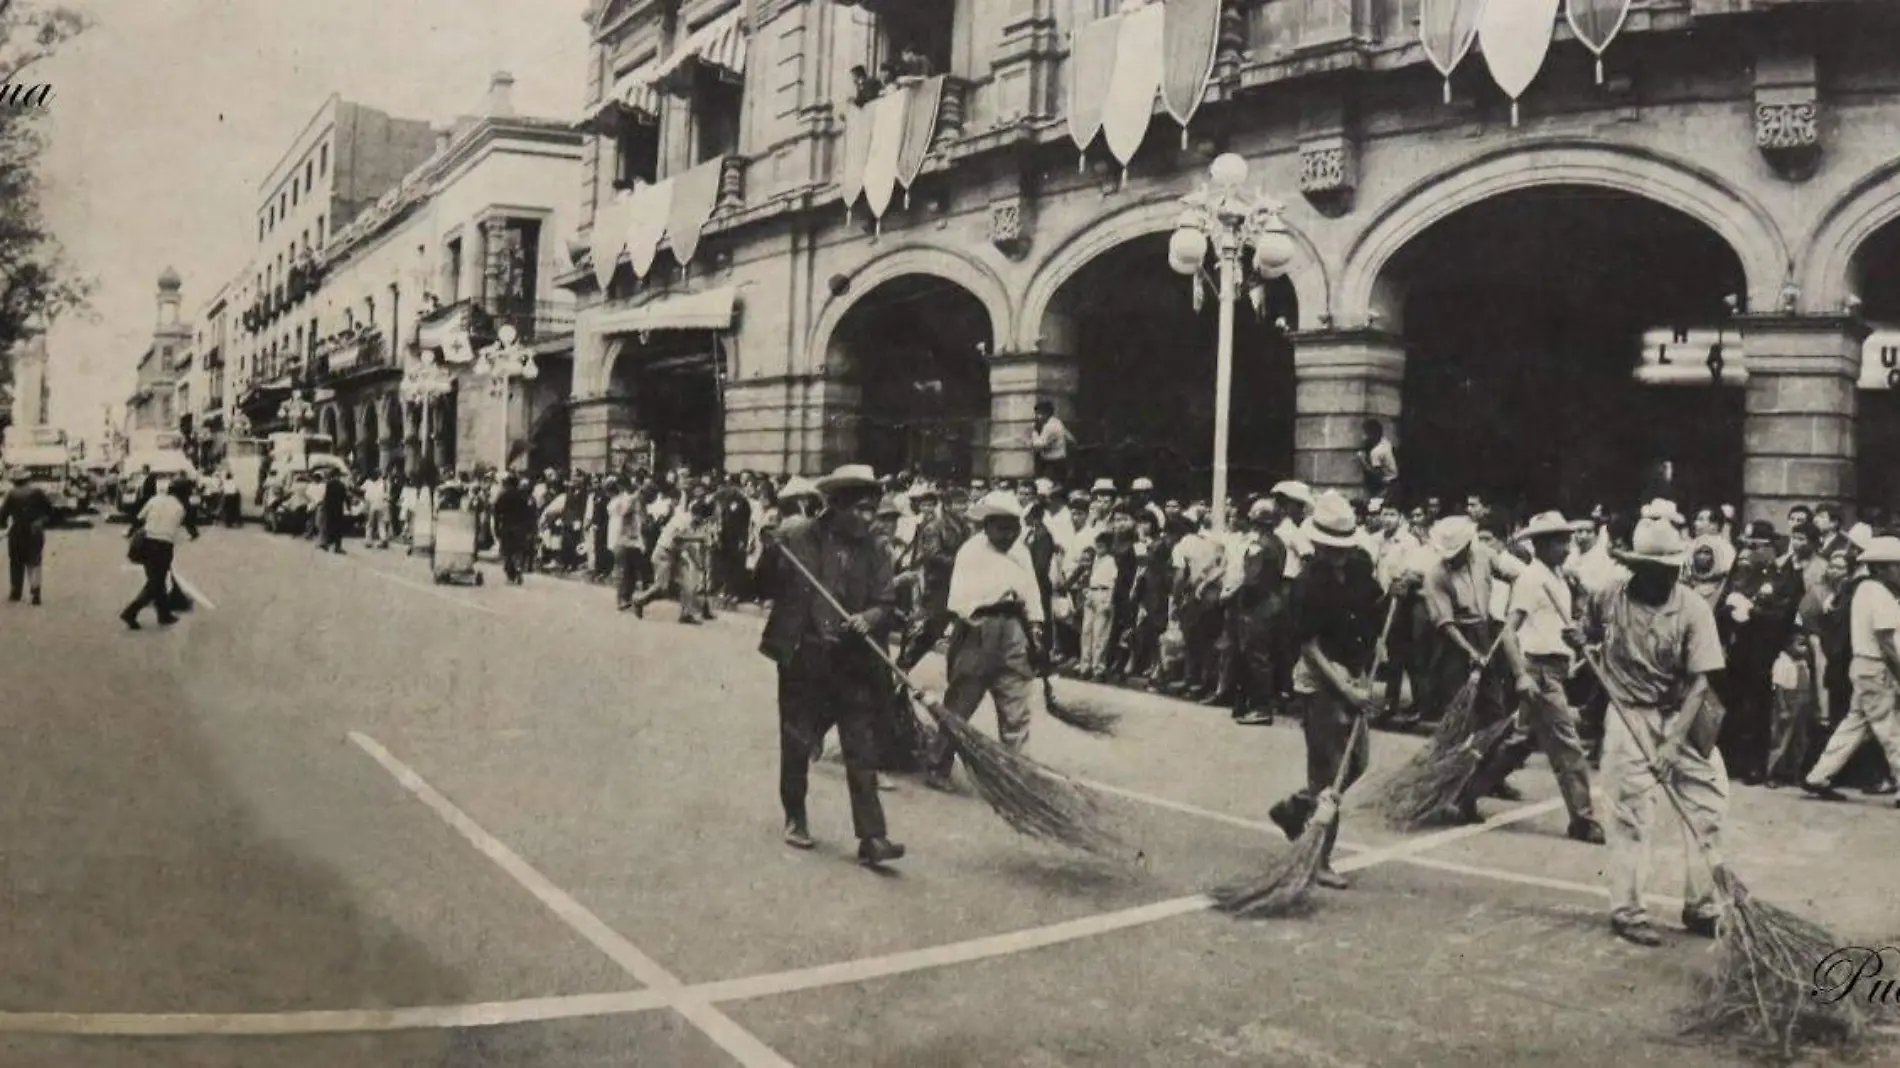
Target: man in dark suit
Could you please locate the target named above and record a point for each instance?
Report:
(827, 673)
(330, 515)
(1259, 603)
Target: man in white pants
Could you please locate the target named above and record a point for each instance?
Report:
(1659, 648)
(1873, 617)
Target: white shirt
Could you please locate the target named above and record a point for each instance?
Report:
(1545, 601)
(1398, 553)
(375, 496)
(1874, 611)
(163, 518)
(1384, 460)
(1234, 548)
(1052, 441)
(1103, 575)
(982, 577)
(1298, 546)
(617, 511)
(230, 486)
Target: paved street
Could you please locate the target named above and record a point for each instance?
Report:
(340, 815)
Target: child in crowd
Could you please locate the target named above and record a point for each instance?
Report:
(1797, 710)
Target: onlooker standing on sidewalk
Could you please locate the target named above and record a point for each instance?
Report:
(515, 518)
(623, 533)
(25, 512)
(231, 499)
(157, 527)
(376, 509)
(330, 513)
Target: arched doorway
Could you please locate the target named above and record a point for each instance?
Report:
(671, 380)
(368, 455)
(1524, 317)
(1147, 359)
(1875, 278)
(917, 348)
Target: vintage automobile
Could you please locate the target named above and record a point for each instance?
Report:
(287, 499)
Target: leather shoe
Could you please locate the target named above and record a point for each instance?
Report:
(1331, 879)
(1216, 699)
(874, 852)
(797, 835)
(1824, 791)
(1504, 791)
(1700, 926)
(1586, 831)
(1638, 932)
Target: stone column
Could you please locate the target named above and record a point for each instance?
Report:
(1017, 381)
(1341, 379)
(1798, 434)
(593, 425)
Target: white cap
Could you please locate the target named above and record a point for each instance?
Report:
(1140, 484)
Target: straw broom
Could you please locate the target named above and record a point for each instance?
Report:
(1763, 995)
(1031, 798)
(1286, 886)
(1437, 774)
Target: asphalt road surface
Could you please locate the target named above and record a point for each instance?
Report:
(340, 815)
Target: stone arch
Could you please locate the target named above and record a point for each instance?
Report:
(1827, 262)
(1699, 193)
(955, 267)
(327, 422)
(1312, 284)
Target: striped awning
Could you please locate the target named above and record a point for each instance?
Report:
(710, 309)
(719, 44)
(633, 93)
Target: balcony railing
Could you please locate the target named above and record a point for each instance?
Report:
(533, 320)
(353, 352)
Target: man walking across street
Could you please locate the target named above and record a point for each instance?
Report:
(515, 518)
(156, 529)
(997, 605)
(1659, 648)
(827, 674)
(25, 512)
(1873, 671)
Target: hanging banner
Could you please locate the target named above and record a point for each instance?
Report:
(920, 129)
(1515, 37)
(1190, 40)
(695, 194)
(646, 224)
(609, 237)
(887, 138)
(1596, 23)
(854, 152)
(1137, 79)
(1091, 68)
(1446, 30)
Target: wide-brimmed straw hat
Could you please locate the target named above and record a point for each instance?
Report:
(1141, 485)
(1655, 541)
(1452, 535)
(997, 505)
(1333, 522)
(1294, 490)
(1884, 550)
(1547, 523)
(798, 487)
(847, 478)
(1859, 535)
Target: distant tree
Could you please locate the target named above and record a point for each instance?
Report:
(37, 281)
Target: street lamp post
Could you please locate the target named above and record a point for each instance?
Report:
(1229, 220)
(502, 363)
(423, 383)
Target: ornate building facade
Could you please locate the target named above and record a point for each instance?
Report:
(815, 231)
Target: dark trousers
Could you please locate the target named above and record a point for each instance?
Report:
(1746, 692)
(25, 547)
(922, 637)
(157, 589)
(233, 510)
(1326, 720)
(1545, 722)
(825, 686)
(515, 552)
(1259, 658)
(632, 563)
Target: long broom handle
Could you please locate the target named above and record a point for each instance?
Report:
(1649, 757)
(883, 655)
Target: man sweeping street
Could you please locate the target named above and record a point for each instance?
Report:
(997, 605)
(1659, 647)
(827, 674)
(1334, 619)
(1541, 649)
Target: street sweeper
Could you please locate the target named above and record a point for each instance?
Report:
(1659, 646)
(998, 627)
(831, 611)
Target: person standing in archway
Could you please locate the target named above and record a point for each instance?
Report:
(1050, 443)
(1378, 462)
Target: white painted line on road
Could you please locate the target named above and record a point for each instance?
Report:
(192, 591)
(743, 1045)
(345, 1021)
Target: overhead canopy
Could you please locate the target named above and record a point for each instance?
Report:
(719, 44)
(633, 94)
(710, 309)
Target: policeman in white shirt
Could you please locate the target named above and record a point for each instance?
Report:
(999, 639)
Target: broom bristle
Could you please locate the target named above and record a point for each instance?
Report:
(1457, 722)
(1029, 797)
(1081, 715)
(1765, 993)
(1285, 888)
(1435, 778)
